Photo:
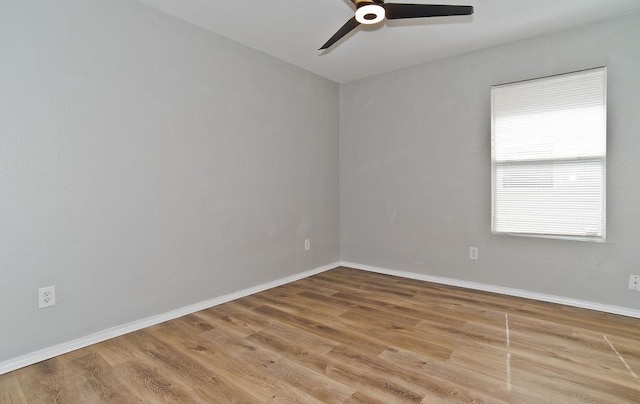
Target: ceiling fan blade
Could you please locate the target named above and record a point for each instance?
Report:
(346, 28)
(395, 11)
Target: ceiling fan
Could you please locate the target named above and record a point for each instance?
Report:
(373, 11)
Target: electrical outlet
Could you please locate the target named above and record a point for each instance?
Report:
(307, 244)
(634, 282)
(46, 297)
(473, 253)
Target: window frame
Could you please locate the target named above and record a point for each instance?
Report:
(599, 238)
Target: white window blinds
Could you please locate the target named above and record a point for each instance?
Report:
(549, 156)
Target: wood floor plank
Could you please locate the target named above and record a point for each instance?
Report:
(385, 289)
(234, 315)
(103, 379)
(117, 351)
(432, 387)
(373, 331)
(10, 390)
(152, 385)
(403, 306)
(494, 387)
(313, 342)
(359, 308)
(53, 381)
(501, 368)
(221, 360)
(349, 336)
(336, 368)
(337, 333)
(576, 385)
(587, 353)
(207, 385)
(302, 305)
(304, 286)
(536, 345)
(362, 398)
(297, 376)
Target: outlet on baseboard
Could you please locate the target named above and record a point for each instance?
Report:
(46, 297)
(634, 282)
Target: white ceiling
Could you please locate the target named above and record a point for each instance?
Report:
(293, 30)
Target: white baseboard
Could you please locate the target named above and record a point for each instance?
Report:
(606, 308)
(82, 342)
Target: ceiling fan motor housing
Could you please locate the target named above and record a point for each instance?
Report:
(369, 11)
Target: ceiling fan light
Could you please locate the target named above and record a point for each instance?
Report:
(370, 14)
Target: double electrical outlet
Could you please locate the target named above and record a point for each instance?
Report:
(634, 282)
(46, 297)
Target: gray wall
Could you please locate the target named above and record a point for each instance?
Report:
(146, 165)
(415, 169)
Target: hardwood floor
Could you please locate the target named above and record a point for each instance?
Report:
(347, 336)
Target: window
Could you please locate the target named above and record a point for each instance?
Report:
(548, 156)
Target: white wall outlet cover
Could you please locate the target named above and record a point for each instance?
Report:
(307, 244)
(634, 282)
(46, 297)
(473, 253)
